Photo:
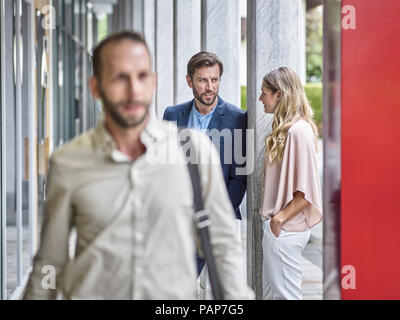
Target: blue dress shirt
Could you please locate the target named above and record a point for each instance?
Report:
(197, 120)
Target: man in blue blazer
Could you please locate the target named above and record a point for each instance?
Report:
(207, 111)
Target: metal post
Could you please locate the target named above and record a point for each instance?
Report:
(18, 139)
(3, 257)
(332, 148)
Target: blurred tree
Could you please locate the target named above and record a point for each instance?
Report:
(314, 44)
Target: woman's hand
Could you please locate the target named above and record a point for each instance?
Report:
(276, 225)
(292, 209)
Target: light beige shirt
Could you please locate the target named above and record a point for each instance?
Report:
(134, 221)
(298, 171)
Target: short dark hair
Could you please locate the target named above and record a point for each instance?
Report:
(114, 38)
(203, 59)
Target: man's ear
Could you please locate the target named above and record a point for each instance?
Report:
(155, 80)
(94, 84)
(189, 81)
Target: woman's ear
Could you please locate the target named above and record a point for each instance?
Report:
(279, 95)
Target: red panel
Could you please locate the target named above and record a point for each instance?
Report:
(370, 215)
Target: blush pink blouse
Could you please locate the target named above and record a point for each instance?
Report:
(298, 171)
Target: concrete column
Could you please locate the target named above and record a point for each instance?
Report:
(220, 34)
(303, 49)
(164, 59)
(116, 21)
(273, 40)
(187, 38)
(137, 15)
(149, 29)
(120, 18)
(128, 23)
(149, 23)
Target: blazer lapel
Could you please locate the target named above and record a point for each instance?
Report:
(183, 117)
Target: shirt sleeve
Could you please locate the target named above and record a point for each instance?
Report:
(50, 260)
(299, 172)
(225, 243)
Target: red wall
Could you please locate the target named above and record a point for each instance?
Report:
(370, 212)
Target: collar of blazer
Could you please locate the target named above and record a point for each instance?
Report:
(216, 118)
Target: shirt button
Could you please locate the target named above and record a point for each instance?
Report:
(139, 236)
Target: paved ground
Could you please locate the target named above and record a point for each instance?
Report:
(312, 266)
(312, 254)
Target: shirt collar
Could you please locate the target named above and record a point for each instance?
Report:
(149, 135)
(198, 115)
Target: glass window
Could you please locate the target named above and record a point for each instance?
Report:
(10, 144)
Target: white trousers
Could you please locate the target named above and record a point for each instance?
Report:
(282, 263)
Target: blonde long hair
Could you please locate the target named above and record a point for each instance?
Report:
(292, 106)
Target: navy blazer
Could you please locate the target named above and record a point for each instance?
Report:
(225, 116)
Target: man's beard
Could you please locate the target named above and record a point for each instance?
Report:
(124, 122)
(198, 97)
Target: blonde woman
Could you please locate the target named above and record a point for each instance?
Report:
(291, 196)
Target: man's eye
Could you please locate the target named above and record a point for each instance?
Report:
(143, 75)
(121, 77)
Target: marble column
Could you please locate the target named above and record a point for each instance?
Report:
(274, 39)
(149, 24)
(186, 44)
(149, 29)
(220, 34)
(137, 15)
(164, 55)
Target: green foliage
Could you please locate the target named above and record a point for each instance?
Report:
(314, 95)
(102, 28)
(314, 44)
(243, 98)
